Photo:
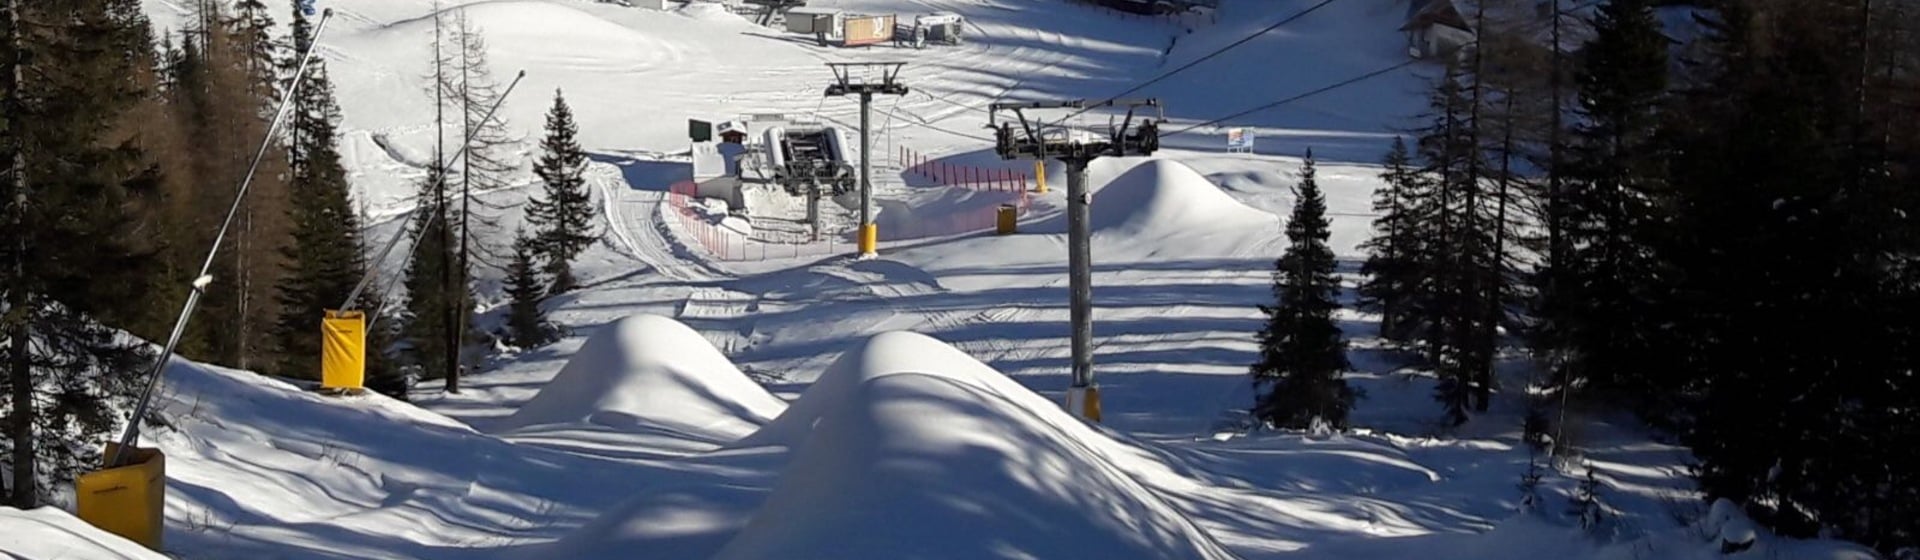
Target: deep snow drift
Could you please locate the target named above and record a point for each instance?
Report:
(651, 372)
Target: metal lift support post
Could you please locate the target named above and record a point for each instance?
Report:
(1038, 140)
(845, 83)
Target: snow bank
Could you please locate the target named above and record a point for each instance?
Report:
(1160, 198)
(932, 466)
(648, 370)
(52, 533)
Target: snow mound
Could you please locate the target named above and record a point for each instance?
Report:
(952, 469)
(648, 371)
(709, 11)
(52, 533)
(1159, 198)
(884, 354)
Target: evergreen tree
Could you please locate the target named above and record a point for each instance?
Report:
(1600, 314)
(1789, 248)
(1302, 353)
(325, 259)
(1392, 281)
(67, 192)
(1446, 309)
(433, 317)
(384, 372)
(564, 216)
(526, 324)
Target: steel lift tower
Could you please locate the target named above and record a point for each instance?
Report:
(1021, 138)
(847, 83)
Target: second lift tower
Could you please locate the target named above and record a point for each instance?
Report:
(1020, 138)
(847, 83)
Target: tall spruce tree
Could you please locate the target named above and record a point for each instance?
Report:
(1392, 282)
(325, 259)
(1600, 314)
(526, 324)
(564, 215)
(1446, 310)
(67, 193)
(1302, 353)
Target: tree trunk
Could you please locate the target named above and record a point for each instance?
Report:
(1495, 279)
(20, 332)
(461, 307)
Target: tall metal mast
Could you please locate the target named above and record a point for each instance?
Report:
(1078, 148)
(846, 83)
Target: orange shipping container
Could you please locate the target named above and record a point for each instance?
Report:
(867, 30)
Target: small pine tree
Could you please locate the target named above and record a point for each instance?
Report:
(526, 324)
(564, 216)
(384, 374)
(1301, 350)
(1586, 507)
(1530, 484)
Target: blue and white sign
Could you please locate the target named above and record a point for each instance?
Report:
(1239, 140)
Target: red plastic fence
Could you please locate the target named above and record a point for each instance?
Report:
(728, 245)
(954, 175)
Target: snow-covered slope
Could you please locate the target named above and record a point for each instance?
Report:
(640, 434)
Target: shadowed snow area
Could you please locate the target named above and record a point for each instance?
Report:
(651, 372)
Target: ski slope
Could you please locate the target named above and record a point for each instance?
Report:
(905, 406)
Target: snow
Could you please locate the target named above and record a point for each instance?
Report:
(909, 460)
(52, 533)
(650, 371)
(908, 405)
(1159, 199)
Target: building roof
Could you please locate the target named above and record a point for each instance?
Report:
(1423, 13)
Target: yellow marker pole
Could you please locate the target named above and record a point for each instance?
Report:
(128, 500)
(870, 239)
(1040, 176)
(1084, 402)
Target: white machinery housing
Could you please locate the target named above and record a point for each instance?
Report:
(940, 28)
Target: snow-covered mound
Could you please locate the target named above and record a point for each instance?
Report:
(1159, 198)
(651, 371)
(885, 354)
(52, 533)
(952, 469)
